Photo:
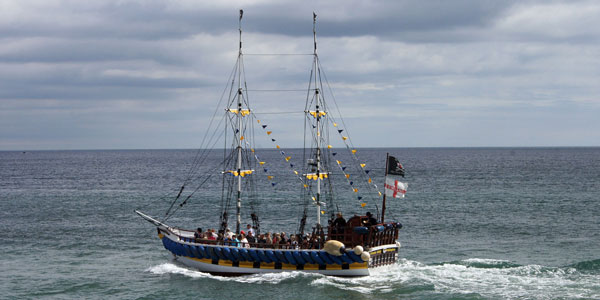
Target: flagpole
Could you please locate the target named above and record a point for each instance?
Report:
(387, 158)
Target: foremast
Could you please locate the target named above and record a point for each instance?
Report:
(239, 139)
(318, 119)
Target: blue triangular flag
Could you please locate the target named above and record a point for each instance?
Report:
(351, 182)
(343, 168)
(367, 171)
(273, 183)
(291, 165)
(266, 170)
(272, 140)
(264, 126)
(340, 130)
(359, 197)
(334, 153)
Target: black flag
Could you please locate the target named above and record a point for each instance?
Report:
(394, 167)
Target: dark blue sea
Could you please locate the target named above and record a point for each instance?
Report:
(479, 223)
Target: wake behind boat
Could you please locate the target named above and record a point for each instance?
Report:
(341, 247)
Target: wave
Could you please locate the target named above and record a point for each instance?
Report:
(482, 263)
(470, 278)
(588, 266)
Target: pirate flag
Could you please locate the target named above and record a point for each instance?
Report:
(394, 167)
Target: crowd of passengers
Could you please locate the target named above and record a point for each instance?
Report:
(248, 238)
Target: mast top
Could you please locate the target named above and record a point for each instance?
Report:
(315, 32)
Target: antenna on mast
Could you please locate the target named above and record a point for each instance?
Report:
(240, 27)
(315, 31)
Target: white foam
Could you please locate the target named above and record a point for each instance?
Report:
(267, 278)
(531, 281)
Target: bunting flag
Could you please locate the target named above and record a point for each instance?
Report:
(395, 188)
(268, 132)
(261, 163)
(362, 165)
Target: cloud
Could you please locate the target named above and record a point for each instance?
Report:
(148, 74)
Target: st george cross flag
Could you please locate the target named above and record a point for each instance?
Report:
(394, 167)
(395, 188)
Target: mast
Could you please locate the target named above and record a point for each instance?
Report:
(387, 159)
(239, 138)
(318, 117)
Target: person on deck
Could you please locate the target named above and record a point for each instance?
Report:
(339, 223)
(371, 221)
(243, 241)
(198, 234)
(249, 229)
(250, 237)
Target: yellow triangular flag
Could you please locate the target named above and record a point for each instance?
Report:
(322, 212)
(370, 180)
(348, 176)
(334, 124)
(329, 146)
(379, 193)
(241, 138)
(353, 151)
(261, 163)
(363, 204)
(356, 190)
(277, 146)
(296, 172)
(252, 149)
(344, 138)
(269, 132)
(288, 158)
(306, 185)
(338, 162)
(362, 165)
(270, 177)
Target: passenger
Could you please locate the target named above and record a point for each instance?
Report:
(339, 223)
(227, 241)
(276, 240)
(243, 241)
(269, 239)
(234, 241)
(249, 229)
(262, 240)
(293, 242)
(284, 242)
(250, 237)
(210, 234)
(371, 221)
(198, 234)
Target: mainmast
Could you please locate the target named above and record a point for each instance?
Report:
(318, 117)
(240, 137)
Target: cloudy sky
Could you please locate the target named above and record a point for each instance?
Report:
(148, 74)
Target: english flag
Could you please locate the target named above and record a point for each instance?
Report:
(395, 188)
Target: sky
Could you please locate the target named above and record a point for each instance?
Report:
(119, 74)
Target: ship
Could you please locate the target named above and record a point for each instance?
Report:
(333, 245)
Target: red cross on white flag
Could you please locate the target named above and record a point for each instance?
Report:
(395, 188)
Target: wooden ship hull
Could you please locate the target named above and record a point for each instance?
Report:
(369, 248)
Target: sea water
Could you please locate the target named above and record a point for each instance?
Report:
(479, 223)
